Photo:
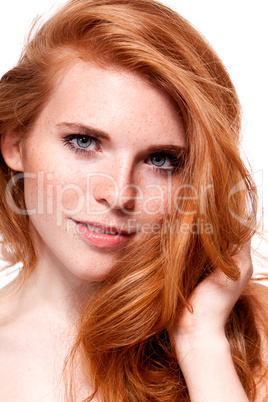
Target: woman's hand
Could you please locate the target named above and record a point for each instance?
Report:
(202, 349)
(213, 299)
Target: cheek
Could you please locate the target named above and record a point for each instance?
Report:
(153, 209)
(33, 193)
(50, 181)
(158, 199)
(69, 197)
(54, 193)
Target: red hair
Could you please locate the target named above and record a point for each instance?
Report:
(124, 330)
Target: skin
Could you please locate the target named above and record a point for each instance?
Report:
(201, 345)
(136, 116)
(134, 119)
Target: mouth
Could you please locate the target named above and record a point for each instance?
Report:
(101, 235)
(100, 228)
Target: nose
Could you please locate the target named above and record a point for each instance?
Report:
(115, 189)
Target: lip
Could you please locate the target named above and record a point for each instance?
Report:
(102, 240)
(105, 228)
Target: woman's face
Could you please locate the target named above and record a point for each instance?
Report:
(101, 166)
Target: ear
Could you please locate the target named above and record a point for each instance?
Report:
(11, 150)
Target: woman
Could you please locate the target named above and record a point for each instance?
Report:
(125, 197)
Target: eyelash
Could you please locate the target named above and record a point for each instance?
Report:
(68, 141)
(176, 161)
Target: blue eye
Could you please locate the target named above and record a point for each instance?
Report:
(165, 163)
(81, 143)
(158, 160)
(84, 142)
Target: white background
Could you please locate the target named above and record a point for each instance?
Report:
(238, 31)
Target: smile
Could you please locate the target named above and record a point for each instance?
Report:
(99, 230)
(102, 236)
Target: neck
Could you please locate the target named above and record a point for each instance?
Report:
(51, 295)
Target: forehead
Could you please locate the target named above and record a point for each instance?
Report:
(116, 101)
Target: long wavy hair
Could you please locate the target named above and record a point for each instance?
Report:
(124, 330)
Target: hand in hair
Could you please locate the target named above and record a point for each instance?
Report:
(201, 346)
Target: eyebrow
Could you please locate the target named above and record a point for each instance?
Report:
(82, 129)
(86, 130)
(172, 149)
